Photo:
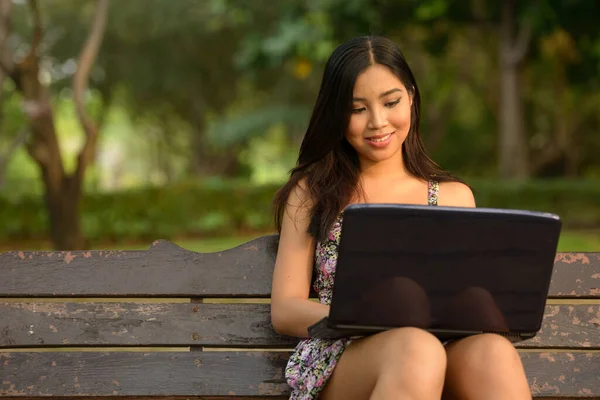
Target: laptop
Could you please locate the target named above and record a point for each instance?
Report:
(452, 271)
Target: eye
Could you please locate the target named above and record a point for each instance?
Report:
(392, 103)
(358, 110)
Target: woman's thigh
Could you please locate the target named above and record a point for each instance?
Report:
(396, 351)
(487, 366)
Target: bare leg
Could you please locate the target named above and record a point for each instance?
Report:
(485, 367)
(406, 363)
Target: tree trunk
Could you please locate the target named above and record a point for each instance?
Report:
(62, 193)
(513, 157)
(513, 160)
(63, 209)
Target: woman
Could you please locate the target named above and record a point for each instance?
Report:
(363, 145)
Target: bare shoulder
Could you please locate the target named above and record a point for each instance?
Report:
(455, 194)
(299, 202)
(300, 194)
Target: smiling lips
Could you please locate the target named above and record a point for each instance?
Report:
(380, 140)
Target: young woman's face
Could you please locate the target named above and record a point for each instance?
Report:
(380, 119)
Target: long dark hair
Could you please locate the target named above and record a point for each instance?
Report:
(327, 164)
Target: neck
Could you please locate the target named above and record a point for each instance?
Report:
(390, 169)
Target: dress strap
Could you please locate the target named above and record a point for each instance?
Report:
(433, 188)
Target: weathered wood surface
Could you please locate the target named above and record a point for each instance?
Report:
(43, 324)
(167, 270)
(576, 275)
(163, 270)
(563, 374)
(131, 324)
(162, 374)
(568, 325)
(233, 374)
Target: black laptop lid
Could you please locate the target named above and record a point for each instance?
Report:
(444, 267)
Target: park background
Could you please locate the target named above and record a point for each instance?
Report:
(124, 122)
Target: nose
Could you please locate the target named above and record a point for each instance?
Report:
(377, 119)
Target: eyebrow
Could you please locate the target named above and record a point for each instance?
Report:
(380, 96)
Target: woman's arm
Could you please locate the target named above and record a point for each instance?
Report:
(291, 311)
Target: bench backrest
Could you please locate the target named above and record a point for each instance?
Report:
(170, 322)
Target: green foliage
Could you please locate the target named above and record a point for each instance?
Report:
(212, 208)
(229, 131)
(217, 73)
(575, 201)
(25, 217)
(223, 208)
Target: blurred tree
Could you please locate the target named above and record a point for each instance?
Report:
(515, 39)
(63, 191)
(564, 96)
(175, 60)
(534, 39)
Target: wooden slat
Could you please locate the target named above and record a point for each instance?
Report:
(566, 326)
(132, 324)
(163, 270)
(160, 374)
(234, 374)
(221, 325)
(576, 275)
(167, 270)
(563, 374)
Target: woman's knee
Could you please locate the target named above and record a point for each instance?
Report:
(484, 364)
(402, 359)
(486, 352)
(413, 347)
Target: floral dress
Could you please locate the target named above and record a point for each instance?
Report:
(313, 360)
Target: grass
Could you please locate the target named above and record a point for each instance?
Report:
(579, 241)
(208, 245)
(569, 242)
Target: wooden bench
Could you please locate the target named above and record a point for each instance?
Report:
(154, 323)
